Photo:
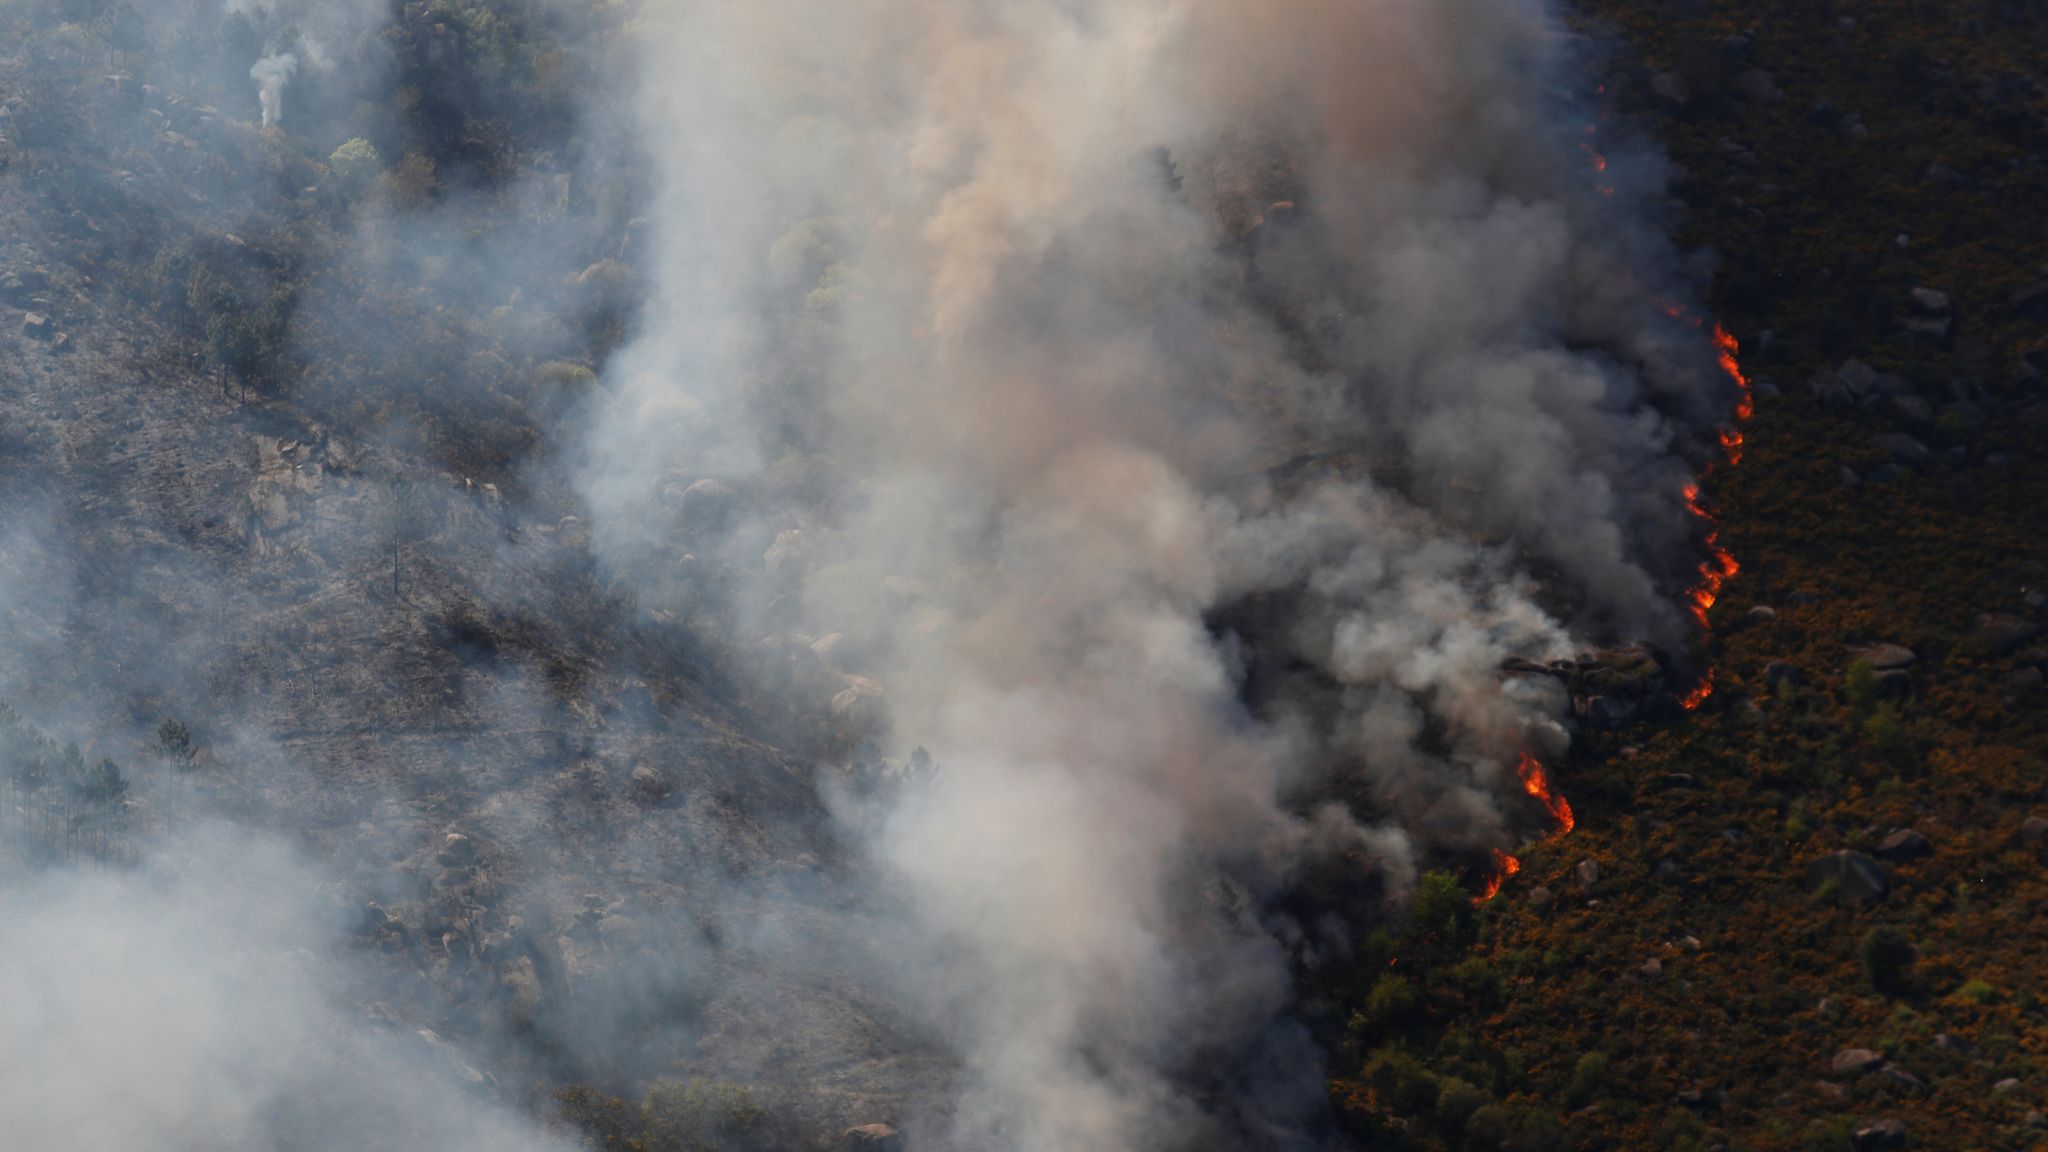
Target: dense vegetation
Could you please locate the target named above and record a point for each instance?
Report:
(1691, 989)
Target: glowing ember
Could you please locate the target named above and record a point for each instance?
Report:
(1700, 692)
(1504, 866)
(1731, 443)
(1536, 782)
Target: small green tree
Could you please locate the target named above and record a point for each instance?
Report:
(1887, 959)
(1589, 1080)
(1860, 684)
(354, 165)
(174, 744)
(1442, 914)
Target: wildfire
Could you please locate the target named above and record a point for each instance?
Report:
(1731, 443)
(1504, 866)
(1726, 348)
(1720, 565)
(1700, 692)
(1536, 782)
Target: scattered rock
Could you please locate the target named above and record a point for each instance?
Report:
(1540, 896)
(1606, 712)
(620, 934)
(871, 1138)
(1999, 633)
(1880, 1137)
(1902, 1080)
(1761, 614)
(1669, 89)
(2035, 1120)
(1857, 877)
(785, 558)
(1779, 674)
(2034, 828)
(2005, 1087)
(1948, 1042)
(522, 992)
(1666, 871)
(1885, 657)
(1759, 85)
(457, 850)
(1904, 844)
(1903, 448)
(39, 325)
(1588, 873)
(1929, 302)
(1652, 969)
(1856, 1061)
(649, 785)
(1912, 409)
(705, 503)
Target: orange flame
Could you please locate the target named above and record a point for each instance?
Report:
(1536, 782)
(1726, 350)
(1504, 866)
(1731, 443)
(1698, 696)
(1716, 570)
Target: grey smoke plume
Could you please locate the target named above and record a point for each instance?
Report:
(193, 1003)
(271, 74)
(1157, 411)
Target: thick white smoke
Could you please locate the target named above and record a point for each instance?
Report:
(271, 74)
(196, 1002)
(1155, 409)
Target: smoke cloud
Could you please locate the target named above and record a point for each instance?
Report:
(193, 1002)
(1161, 413)
(271, 74)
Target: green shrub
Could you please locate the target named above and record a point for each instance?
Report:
(1402, 1083)
(1859, 686)
(1588, 1082)
(1441, 912)
(354, 165)
(1456, 1101)
(1977, 992)
(1394, 1002)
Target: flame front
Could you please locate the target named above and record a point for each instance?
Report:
(1720, 565)
(1536, 782)
(1504, 866)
